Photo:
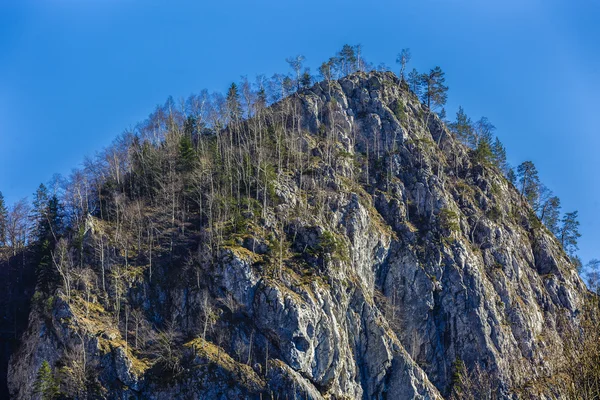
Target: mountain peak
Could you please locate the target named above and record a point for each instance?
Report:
(342, 243)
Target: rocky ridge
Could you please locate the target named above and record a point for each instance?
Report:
(432, 260)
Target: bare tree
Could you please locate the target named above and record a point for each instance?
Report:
(17, 226)
(403, 59)
(296, 65)
(63, 262)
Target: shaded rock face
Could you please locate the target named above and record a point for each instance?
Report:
(391, 296)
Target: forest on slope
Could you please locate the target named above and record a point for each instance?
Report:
(238, 175)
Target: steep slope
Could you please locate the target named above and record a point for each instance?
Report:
(386, 263)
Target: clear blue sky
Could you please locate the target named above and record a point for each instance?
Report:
(75, 73)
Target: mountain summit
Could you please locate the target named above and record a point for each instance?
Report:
(341, 243)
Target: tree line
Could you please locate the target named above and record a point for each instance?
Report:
(488, 149)
(189, 128)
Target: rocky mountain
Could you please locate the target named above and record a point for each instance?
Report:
(382, 260)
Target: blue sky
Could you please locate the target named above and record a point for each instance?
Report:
(74, 74)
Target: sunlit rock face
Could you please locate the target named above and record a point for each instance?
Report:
(378, 295)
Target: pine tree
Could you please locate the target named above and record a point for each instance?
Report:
(435, 93)
(483, 132)
(414, 82)
(511, 175)
(327, 69)
(483, 153)
(550, 214)
(234, 106)
(499, 155)
(47, 219)
(347, 59)
(306, 79)
(483, 141)
(529, 182)
(187, 156)
(189, 127)
(40, 203)
(46, 385)
(462, 127)
(288, 85)
(569, 233)
(593, 275)
(261, 100)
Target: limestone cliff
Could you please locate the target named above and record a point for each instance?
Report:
(396, 259)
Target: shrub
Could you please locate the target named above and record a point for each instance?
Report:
(449, 221)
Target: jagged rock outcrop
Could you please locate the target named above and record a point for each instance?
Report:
(410, 265)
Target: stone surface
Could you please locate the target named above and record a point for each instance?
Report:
(403, 301)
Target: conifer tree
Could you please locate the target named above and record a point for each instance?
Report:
(189, 127)
(529, 182)
(327, 69)
(550, 214)
(483, 130)
(261, 99)
(186, 153)
(46, 385)
(414, 82)
(462, 127)
(234, 106)
(511, 175)
(499, 155)
(435, 93)
(569, 233)
(347, 59)
(593, 275)
(47, 218)
(40, 203)
(482, 141)
(305, 79)
(483, 152)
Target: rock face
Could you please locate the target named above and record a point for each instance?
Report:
(427, 261)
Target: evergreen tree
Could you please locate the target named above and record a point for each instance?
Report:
(261, 101)
(569, 233)
(593, 275)
(40, 204)
(529, 182)
(483, 153)
(234, 106)
(462, 127)
(435, 93)
(189, 127)
(3, 220)
(550, 214)
(327, 69)
(511, 175)
(187, 156)
(499, 155)
(47, 219)
(305, 79)
(483, 132)
(347, 59)
(46, 385)
(414, 82)
(442, 115)
(288, 85)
